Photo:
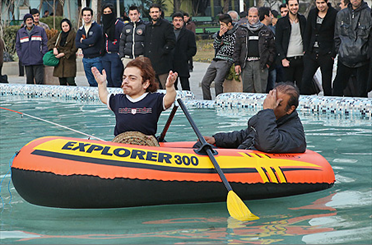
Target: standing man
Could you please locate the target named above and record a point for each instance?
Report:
(223, 44)
(289, 43)
(184, 50)
(159, 42)
(254, 53)
(319, 46)
(132, 37)
(352, 39)
(111, 62)
(283, 10)
(343, 4)
(234, 16)
(243, 18)
(266, 18)
(36, 14)
(190, 25)
(89, 38)
(31, 45)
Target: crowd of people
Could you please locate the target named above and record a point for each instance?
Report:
(264, 48)
(109, 46)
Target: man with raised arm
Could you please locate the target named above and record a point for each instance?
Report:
(275, 129)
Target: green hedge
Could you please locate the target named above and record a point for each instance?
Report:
(49, 22)
(10, 34)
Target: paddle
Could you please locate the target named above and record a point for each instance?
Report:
(167, 124)
(236, 207)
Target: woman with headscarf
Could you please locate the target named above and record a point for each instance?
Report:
(111, 62)
(63, 45)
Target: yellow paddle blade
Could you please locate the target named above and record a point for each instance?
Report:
(237, 208)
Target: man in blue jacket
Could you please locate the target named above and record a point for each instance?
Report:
(275, 129)
(31, 45)
(90, 39)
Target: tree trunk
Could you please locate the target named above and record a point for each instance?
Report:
(40, 6)
(59, 10)
(177, 5)
(226, 6)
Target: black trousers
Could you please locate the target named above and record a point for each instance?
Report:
(67, 80)
(185, 84)
(312, 62)
(294, 72)
(342, 79)
(35, 71)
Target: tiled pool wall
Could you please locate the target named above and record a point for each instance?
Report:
(314, 104)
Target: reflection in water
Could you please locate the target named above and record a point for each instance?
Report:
(268, 230)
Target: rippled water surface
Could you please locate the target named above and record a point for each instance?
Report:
(340, 215)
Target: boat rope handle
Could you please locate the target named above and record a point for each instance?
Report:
(56, 124)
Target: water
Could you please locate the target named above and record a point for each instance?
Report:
(340, 215)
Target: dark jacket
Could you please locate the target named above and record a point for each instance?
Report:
(224, 45)
(353, 35)
(67, 64)
(1, 53)
(324, 35)
(283, 34)
(266, 46)
(113, 46)
(92, 44)
(132, 40)
(31, 48)
(184, 50)
(159, 42)
(265, 133)
(190, 25)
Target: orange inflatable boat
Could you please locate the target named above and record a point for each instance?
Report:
(77, 173)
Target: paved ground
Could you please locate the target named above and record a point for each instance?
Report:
(195, 79)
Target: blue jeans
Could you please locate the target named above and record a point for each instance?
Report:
(88, 64)
(114, 69)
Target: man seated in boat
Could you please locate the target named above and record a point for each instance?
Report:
(139, 107)
(275, 129)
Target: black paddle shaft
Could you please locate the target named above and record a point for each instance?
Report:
(205, 146)
(167, 124)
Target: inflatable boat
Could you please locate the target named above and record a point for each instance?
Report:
(78, 173)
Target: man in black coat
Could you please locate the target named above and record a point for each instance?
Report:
(184, 50)
(289, 43)
(275, 129)
(319, 46)
(159, 42)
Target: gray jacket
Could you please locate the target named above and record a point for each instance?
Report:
(353, 35)
(265, 133)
